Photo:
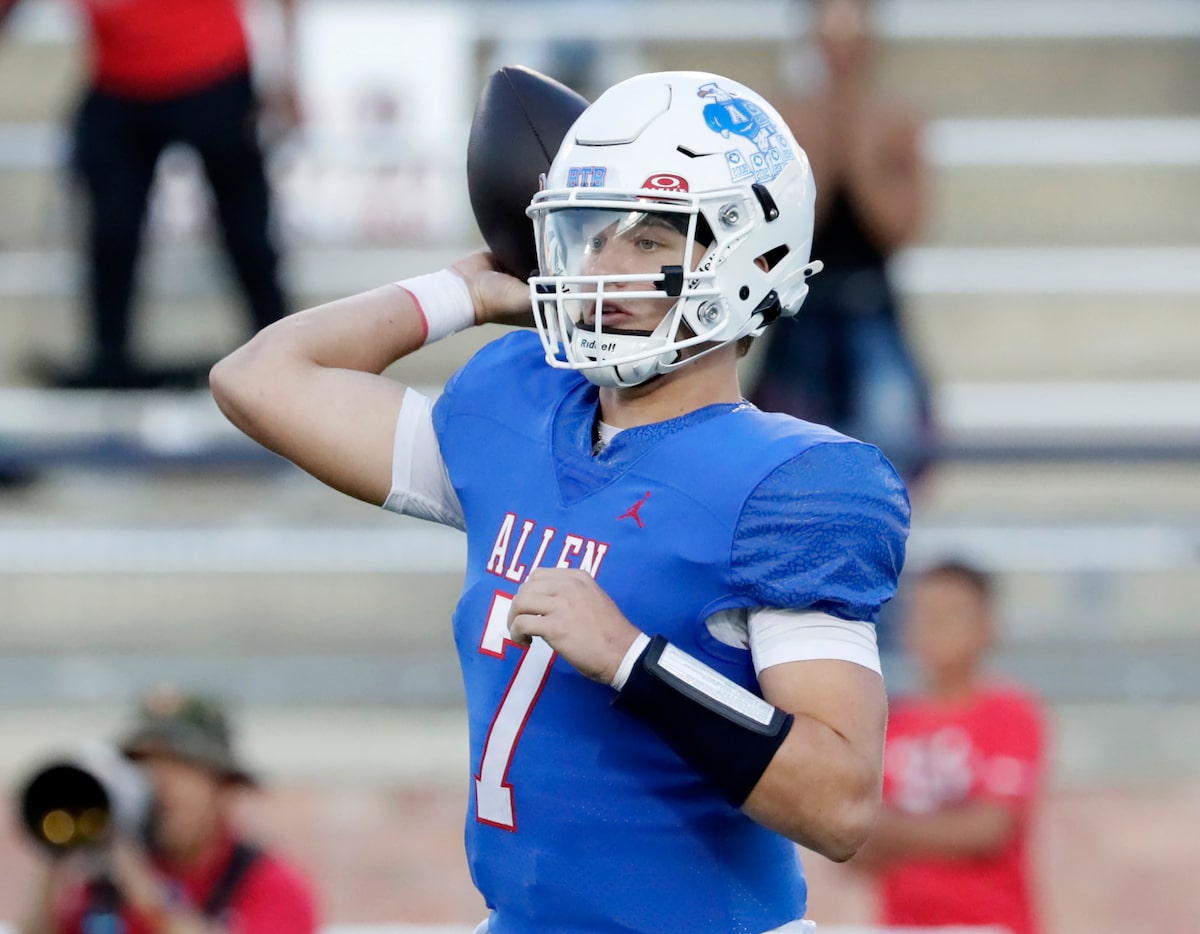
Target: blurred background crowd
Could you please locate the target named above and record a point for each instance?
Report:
(1008, 215)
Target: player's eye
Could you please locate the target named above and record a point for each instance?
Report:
(596, 244)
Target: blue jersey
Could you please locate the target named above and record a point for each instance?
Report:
(582, 819)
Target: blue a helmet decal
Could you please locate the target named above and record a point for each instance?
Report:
(729, 115)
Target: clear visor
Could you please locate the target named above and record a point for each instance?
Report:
(588, 241)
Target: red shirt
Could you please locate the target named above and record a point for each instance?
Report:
(272, 897)
(157, 48)
(988, 749)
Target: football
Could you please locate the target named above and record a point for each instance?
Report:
(521, 118)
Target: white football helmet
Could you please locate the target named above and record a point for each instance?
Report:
(712, 159)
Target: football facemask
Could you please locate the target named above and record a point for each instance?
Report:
(621, 275)
(675, 219)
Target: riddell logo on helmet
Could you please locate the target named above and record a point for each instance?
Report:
(666, 182)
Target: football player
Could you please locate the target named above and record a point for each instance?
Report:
(666, 627)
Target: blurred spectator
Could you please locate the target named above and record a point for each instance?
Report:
(844, 361)
(166, 72)
(962, 771)
(197, 875)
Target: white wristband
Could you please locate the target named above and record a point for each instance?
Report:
(444, 302)
(631, 656)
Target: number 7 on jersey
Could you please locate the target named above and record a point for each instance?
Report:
(493, 794)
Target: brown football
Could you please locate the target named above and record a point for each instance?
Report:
(521, 118)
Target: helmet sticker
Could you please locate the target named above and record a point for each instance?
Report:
(586, 176)
(664, 181)
(736, 116)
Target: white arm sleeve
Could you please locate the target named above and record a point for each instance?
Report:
(776, 636)
(421, 484)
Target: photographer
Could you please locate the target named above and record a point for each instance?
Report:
(194, 874)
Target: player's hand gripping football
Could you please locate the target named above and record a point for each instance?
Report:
(499, 298)
(568, 609)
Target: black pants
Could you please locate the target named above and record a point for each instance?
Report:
(117, 144)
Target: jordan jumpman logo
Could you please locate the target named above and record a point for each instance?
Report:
(632, 512)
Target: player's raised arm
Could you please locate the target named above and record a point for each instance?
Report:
(310, 386)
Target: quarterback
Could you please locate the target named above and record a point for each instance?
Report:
(666, 630)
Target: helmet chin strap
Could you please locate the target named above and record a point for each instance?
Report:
(628, 375)
(638, 374)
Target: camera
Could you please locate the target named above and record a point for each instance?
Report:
(85, 799)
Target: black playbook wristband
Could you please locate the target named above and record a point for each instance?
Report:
(718, 727)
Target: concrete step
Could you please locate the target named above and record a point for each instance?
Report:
(285, 744)
(145, 578)
(181, 329)
(976, 314)
(999, 424)
(110, 579)
(1055, 337)
(1077, 670)
(338, 619)
(1029, 181)
(951, 59)
(960, 338)
(362, 747)
(970, 205)
(1052, 77)
(1033, 493)
(1056, 58)
(993, 78)
(38, 80)
(1128, 205)
(258, 613)
(38, 212)
(274, 493)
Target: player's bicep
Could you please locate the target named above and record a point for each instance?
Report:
(824, 784)
(351, 432)
(308, 387)
(336, 424)
(844, 697)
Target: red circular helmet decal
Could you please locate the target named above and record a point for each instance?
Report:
(666, 182)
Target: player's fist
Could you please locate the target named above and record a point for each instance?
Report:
(498, 297)
(568, 609)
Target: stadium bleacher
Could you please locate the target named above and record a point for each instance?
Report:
(1055, 296)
